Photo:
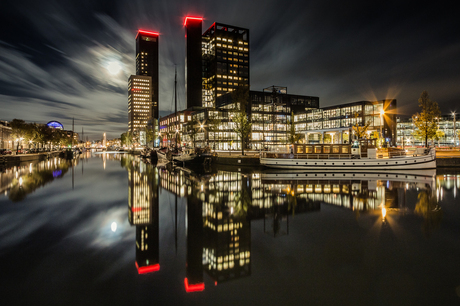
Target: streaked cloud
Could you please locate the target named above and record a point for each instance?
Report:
(341, 52)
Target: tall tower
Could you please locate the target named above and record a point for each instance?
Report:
(147, 63)
(225, 61)
(193, 72)
(139, 102)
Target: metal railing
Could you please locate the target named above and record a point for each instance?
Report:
(306, 156)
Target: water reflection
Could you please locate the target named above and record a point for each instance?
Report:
(19, 181)
(143, 213)
(336, 231)
(220, 207)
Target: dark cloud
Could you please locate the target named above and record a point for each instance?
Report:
(53, 60)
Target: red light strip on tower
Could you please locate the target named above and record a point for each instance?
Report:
(147, 33)
(192, 18)
(147, 269)
(134, 209)
(193, 288)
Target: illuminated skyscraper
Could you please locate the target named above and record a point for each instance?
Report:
(139, 102)
(217, 61)
(147, 63)
(225, 50)
(193, 69)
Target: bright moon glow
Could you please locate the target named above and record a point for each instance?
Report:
(113, 226)
(113, 67)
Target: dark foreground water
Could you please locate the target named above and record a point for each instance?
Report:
(109, 229)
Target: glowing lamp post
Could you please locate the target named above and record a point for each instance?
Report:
(455, 130)
(382, 112)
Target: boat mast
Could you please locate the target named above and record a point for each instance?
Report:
(175, 101)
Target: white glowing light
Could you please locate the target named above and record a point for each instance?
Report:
(113, 226)
(113, 67)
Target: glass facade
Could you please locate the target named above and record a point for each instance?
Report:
(448, 136)
(225, 56)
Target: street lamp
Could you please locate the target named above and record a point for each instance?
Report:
(382, 112)
(455, 131)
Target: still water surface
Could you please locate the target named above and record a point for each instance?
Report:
(109, 229)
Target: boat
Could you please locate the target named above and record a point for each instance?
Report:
(149, 153)
(347, 157)
(186, 154)
(162, 154)
(427, 176)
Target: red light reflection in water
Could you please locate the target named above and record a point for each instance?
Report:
(147, 269)
(194, 287)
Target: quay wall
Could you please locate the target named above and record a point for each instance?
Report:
(11, 159)
(447, 162)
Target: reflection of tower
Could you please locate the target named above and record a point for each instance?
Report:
(194, 267)
(143, 213)
(227, 248)
(228, 245)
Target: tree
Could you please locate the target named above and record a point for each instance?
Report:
(439, 135)
(149, 135)
(213, 126)
(193, 127)
(293, 137)
(242, 128)
(425, 123)
(127, 139)
(427, 207)
(360, 130)
(240, 99)
(18, 128)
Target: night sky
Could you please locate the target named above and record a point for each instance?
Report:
(54, 55)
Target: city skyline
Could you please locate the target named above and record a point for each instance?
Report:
(73, 61)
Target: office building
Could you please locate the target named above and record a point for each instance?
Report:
(334, 124)
(448, 132)
(193, 61)
(225, 51)
(6, 140)
(139, 102)
(147, 63)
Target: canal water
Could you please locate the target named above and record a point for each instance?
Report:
(111, 229)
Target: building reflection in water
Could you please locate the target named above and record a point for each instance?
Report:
(143, 213)
(18, 181)
(221, 206)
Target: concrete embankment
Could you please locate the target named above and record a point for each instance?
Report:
(13, 159)
(244, 162)
(447, 162)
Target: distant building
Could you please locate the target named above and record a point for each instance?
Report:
(6, 140)
(172, 124)
(139, 102)
(55, 125)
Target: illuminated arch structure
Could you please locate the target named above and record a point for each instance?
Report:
(55, 125)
